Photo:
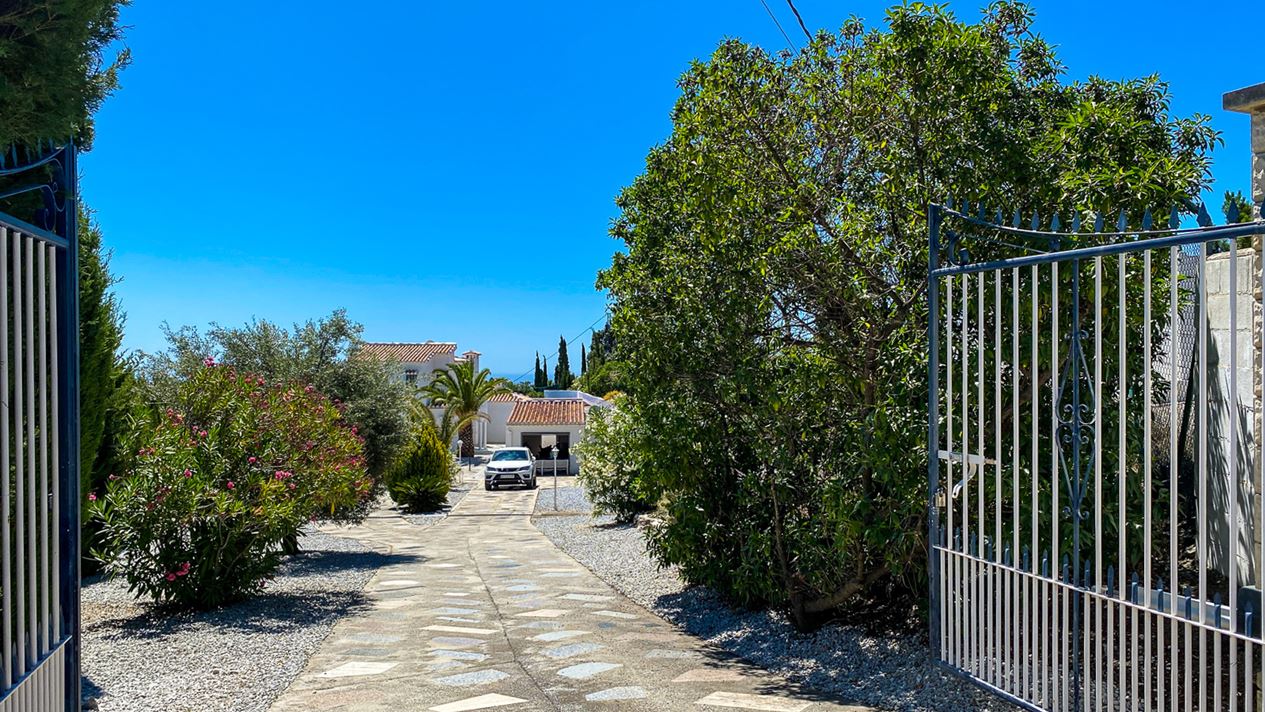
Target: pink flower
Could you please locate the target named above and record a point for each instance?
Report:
(183, 570)
(171, 577)
(252, 460)
(231, 485)
(188, 474)
(113, 477)
(92, 497)
(202, 433)
(291, 485)
(208, 361)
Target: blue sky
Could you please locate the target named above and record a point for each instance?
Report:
(448, 170)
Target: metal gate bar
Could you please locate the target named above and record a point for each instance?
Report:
(1045, 515)
(39, 434)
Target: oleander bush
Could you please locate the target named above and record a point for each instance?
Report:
(420, 479)
(613, 456)
(219, 481)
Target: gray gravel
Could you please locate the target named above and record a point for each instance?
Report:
(571, 498)
(137, 656)
(890, 672)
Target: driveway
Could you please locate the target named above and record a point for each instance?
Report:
(481, 611)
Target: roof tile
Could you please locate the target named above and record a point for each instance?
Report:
(548, 411)
(405, 352)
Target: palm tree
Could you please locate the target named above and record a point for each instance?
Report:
(461, 392)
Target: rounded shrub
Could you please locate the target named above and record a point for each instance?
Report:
(218, 482)
(612, 462)
(421, 477)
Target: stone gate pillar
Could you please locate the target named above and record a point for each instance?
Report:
(1251, 101)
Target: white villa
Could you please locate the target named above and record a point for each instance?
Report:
(418, 362)
(512, 419)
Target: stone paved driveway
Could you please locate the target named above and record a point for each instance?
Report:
(481, 611)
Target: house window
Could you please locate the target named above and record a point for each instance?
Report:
(410, 376)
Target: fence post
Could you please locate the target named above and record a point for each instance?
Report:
(68, 427)
(933, 420)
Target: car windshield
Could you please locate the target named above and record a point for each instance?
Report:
(503, 455)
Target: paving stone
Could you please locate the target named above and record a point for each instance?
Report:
(477, 677)
(572, 650)
(617, 693)
(356, 669)
(558, 635)
(482, 702)
(587, 670)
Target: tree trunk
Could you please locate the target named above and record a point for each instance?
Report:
(467, 440)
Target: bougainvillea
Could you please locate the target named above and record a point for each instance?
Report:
(220, 480)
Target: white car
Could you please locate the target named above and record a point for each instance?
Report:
(510, 466)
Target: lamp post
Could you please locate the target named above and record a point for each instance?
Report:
(553, 453)
(460, 444)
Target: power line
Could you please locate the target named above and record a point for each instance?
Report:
(574, 339)
(779, 25)
(802, 26)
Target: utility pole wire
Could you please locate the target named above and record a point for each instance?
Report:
(779, 25)
(802, 26)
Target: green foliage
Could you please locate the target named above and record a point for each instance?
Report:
(1237, 204)
(219, 481)
(319, 353)
(770, 308)
(462, 391)
(54, 73)
(562, 376)
(612, 450)
(105, 393)
(540, 380)
(420, 479)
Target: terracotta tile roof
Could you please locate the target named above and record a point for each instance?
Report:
(508, 398)
(548, 411)
(407, 352)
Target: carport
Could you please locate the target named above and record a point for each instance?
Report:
(540, 424)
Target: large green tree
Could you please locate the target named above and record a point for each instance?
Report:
(562, 376)
(105, 380)
(58, 63)
(769, 308)
(56, 68)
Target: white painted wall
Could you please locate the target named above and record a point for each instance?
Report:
(498, 420)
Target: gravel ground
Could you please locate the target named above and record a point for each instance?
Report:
(571, 498)
(141, 657)
(890, 672)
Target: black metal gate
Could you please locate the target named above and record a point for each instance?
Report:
(39, 431)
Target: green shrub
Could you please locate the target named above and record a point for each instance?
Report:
(612, 459)
(219, 481)
(421, 478)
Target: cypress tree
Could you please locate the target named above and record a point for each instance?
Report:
(584, 361)
(538, 380)
(562, 375)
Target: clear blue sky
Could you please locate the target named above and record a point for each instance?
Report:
(447, 170)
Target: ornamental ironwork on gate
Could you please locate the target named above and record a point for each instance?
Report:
(39, 430)
(1096, 458)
